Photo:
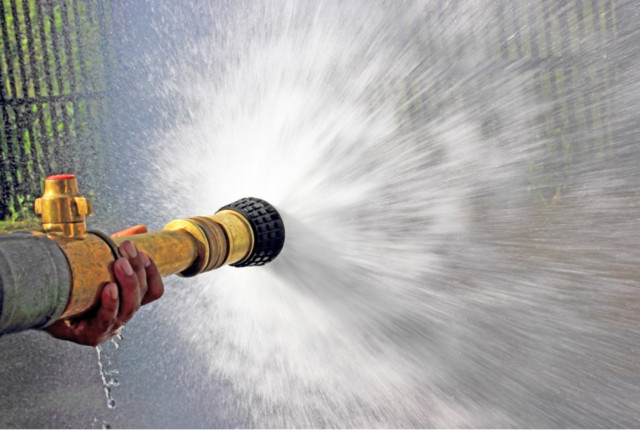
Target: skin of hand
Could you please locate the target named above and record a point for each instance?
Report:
(140, 283)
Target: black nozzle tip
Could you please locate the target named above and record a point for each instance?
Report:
(267, 226)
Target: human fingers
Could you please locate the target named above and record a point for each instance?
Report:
(91, 332)
(154, 280)
(129, 290)
(128, 250)
(133, 230)
(102, 326)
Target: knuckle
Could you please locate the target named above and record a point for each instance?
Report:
(129, 285)
(111, 308)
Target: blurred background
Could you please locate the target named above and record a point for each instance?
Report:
(98, 87)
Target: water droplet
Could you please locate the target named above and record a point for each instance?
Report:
(109, 368)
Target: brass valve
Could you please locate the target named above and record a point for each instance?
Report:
(62, 207)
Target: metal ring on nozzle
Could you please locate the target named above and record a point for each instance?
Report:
(267, 226)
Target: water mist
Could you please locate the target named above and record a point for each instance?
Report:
(450, 261)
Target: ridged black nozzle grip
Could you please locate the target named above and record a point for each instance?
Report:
(268, 230)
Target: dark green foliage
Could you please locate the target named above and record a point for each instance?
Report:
(52, 83)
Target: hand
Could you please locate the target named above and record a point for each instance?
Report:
(140, 283)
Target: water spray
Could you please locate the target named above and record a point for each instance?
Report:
(60, 272)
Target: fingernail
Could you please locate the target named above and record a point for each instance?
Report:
(126, 267)
(113, 291)
(145, 259)
(130, 249)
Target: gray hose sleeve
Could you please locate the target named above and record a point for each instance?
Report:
(35, 282)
